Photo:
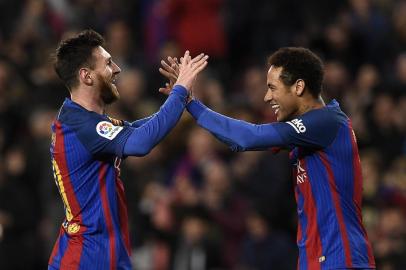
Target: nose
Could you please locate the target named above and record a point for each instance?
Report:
(268, 96)
(116, 68)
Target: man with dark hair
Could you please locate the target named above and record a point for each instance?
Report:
(323, 153)
(87, 147)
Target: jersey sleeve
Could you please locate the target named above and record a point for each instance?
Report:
(238, 135)
(153, 129)
(139, 122)
(315, 129)
(99, 135)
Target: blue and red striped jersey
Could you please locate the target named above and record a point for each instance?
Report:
(86, 152)
(327, 180)
(86, 149)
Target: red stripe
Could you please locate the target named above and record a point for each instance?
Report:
(336, 200)
(123, 215)
(107, 214)
(313, 242)
(73, 251)
(358, 191)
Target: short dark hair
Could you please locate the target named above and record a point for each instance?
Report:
(299, 63)
(74, 53)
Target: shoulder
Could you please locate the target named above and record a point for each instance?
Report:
(72, 114)
(327, 117)
(315, 128)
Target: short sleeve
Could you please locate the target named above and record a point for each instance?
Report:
(99, 134)
(315, 129)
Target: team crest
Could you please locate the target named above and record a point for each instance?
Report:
(116, 122)
(108, 130)
(73, 228)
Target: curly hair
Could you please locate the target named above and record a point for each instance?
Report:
(74, 53)
(299, 63)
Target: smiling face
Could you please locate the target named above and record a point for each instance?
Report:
(105, 72)
(282, 98)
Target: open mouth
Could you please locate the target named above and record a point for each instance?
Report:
(276, 108)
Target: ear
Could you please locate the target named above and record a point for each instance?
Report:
(300, 86)
(85, 76)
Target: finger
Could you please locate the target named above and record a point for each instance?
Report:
(172, 61)
(174, 64)
(197, 58)
(168, 68)
(200, 62)
(167, 74)
(181, 60)
(200, 68)
(185, 59)
(175, 69)
(165, 65)
(177, 61)
(165, 91)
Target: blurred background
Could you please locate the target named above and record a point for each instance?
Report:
(193, 204)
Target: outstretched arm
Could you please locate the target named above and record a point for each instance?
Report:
(238, 135)
(144, 137)
(152, 130)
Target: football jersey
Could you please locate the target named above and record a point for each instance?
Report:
(86, 152)
(327, 180)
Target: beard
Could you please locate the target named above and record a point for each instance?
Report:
(108, 91)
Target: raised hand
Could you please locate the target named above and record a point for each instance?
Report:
(171, 71)
(183, 73)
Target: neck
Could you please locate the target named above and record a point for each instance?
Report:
(311, 104)
(88, 99)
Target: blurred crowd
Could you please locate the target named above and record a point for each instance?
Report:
(194, 204)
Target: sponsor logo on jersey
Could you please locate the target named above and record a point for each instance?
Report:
(301, 175)
(108, 130)
(297, 125)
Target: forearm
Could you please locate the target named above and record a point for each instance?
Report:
(238, 135)
(150, 133)
(140, 122)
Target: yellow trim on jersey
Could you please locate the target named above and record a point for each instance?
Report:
(59, 183)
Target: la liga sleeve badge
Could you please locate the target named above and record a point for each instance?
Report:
(108, 130)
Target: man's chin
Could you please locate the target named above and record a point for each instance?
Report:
(110, 95)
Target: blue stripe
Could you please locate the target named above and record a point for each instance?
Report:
(121, 254)
(112, 200)
(63, 244)
(331, 242)
(303, 224)
(343, 171)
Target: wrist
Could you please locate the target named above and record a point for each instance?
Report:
(181, 90)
